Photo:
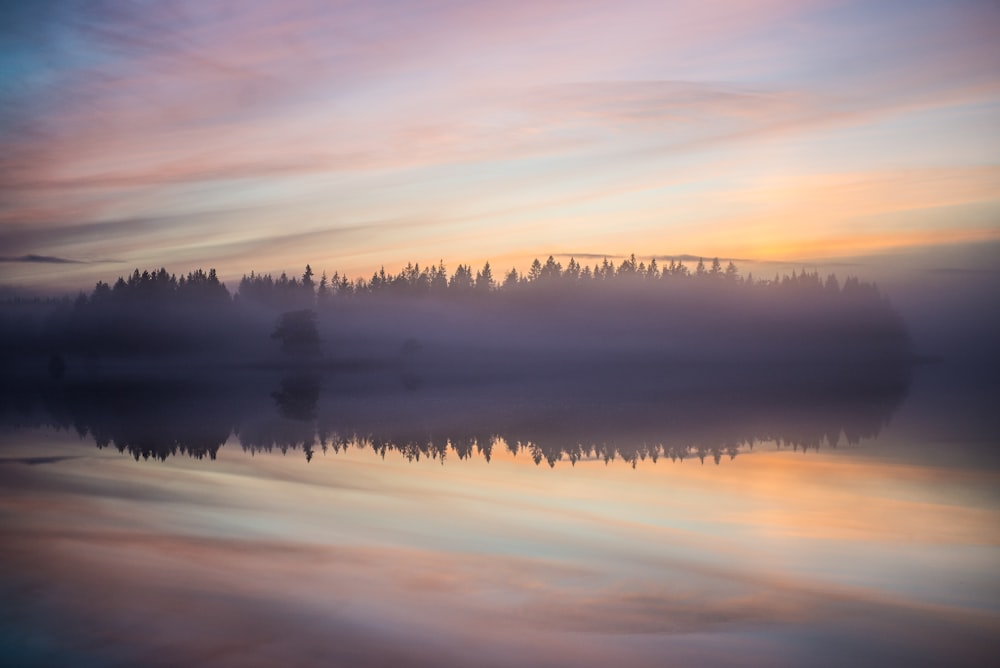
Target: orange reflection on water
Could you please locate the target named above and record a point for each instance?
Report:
(359, 559)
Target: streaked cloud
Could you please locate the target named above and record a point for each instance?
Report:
(43, 259)
(513, 130)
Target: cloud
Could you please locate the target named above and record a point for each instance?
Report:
(43, 259)
(962, 271)
(35, 461)
(590, 256)
(659, 257)
(120, 234)
(258, 79)
(524, 121)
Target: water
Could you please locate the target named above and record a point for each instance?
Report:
(448, 526)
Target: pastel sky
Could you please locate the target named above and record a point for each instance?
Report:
(264, 135)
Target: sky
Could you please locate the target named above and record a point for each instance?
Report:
(350, 135)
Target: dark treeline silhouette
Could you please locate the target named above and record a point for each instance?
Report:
(412, 280)
(470, 322)
(618, 416)
(148, 313)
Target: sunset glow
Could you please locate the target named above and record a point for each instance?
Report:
(536, 333)
(267, 135)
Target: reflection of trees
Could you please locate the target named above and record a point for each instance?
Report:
(293, 427)
(607, 417)
(267, 434)
(297, 398)
(148, 421)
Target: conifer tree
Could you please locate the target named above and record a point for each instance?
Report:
(484, 279)
(535, 271)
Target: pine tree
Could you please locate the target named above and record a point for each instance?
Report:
(653, 271)
(572, 270)
(511, 279)
(461, 280)
(484, 279)
(535, 271)
(323, 291)
(551, 270)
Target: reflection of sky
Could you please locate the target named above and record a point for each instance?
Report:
(266, 135)
(772, 556)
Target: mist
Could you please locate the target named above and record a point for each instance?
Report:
(551, 321)
(626, 361)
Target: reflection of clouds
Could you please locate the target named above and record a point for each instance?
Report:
(848, 498)
(287, 602)
(359, 560)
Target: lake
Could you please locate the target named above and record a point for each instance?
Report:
(289, 521)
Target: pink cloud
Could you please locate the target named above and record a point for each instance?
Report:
(599, 98)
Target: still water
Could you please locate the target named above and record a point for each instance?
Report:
(870, 538)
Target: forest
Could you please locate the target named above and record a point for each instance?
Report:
(465, 324)
(626, 361)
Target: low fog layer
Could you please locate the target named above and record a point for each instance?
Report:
(468, 324)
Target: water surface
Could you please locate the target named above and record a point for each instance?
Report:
(449, 525)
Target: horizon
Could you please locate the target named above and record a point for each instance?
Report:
(883, 267)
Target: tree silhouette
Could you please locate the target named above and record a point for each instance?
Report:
(484, 279)
(298, 333)
(551, 270)
(461, 280)
(511, 280)
(535, 271)
(323, 291)
(628, 267)
(653, 271)
(307, 279)
(439, 280)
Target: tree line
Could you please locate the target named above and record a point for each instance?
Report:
(633, 306)
(414, 280)
(199, 287)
